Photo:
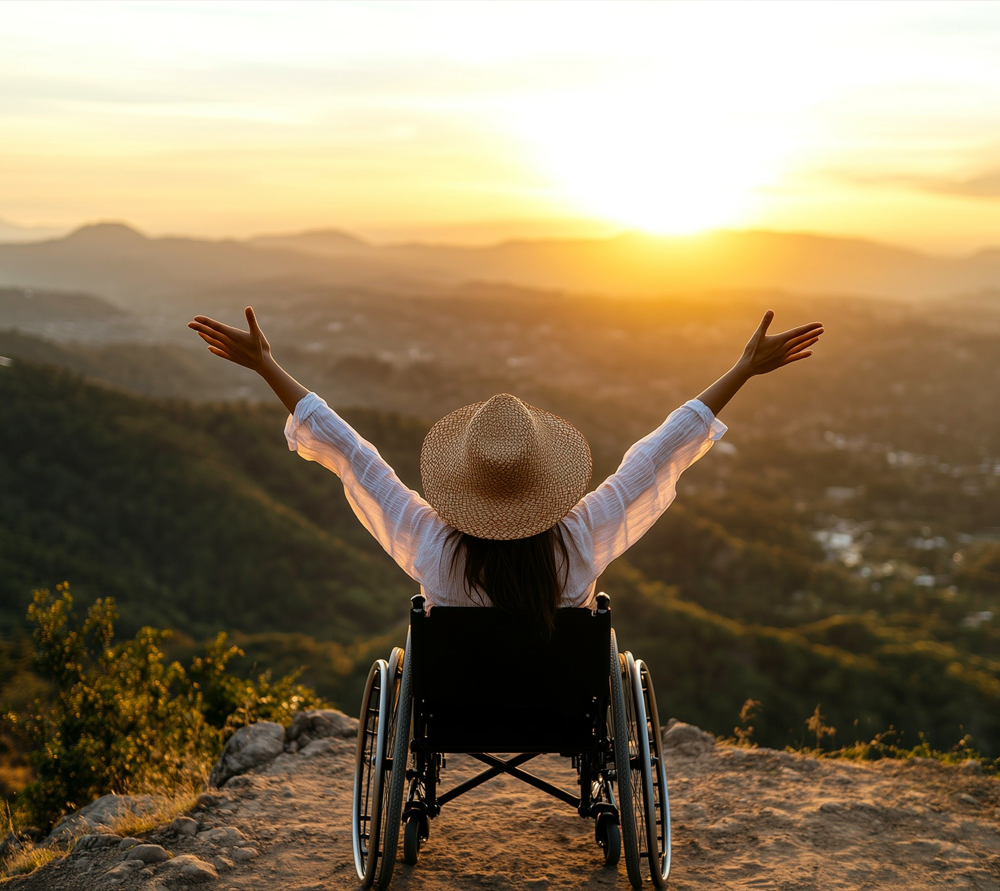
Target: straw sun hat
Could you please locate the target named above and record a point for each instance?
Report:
(503, 469)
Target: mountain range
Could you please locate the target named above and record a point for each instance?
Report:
(116, 261)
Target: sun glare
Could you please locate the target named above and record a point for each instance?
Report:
(644, 159)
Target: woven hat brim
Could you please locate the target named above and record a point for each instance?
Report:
(562, 477)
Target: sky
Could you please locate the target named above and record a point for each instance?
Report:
(472, 121)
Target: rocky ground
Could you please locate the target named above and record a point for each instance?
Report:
(743, 818)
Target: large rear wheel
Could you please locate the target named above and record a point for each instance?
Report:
(398, 750)
(621, 721)
(649, 785)
(658, 772)
(366, 809)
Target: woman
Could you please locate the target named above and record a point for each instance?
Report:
(507, 520)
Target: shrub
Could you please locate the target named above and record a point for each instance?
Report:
(119, 718)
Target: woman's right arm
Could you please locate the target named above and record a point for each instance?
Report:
(622, 509)
(251, 350)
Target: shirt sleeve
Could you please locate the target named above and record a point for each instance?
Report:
(396, 515)
(622, 509)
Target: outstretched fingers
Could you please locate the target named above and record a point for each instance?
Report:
(206, 323)
(217, 334)
(802, 331)
(212, 341)
(798, 348)
(811, 335)
(794, 357)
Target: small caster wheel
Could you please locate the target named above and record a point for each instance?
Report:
(609, 837)
(415, 830)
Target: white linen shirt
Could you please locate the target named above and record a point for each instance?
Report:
(602, 525)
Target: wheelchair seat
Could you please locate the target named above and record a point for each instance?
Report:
(482, 682)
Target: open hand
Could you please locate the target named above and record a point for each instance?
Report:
(765, 353)
(247, 348)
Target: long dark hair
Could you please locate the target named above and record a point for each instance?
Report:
(518, 576)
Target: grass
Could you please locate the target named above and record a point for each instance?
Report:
(887, 744)
(28, 859)
(166, 808)
(32, 857)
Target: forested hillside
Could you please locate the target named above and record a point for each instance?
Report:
(198, 518)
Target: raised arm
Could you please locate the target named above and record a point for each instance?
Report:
(251, 350)
(762, 354)
(622, 509)
(394, 514)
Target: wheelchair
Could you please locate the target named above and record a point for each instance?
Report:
(471, 681)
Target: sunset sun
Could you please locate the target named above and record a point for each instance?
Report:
(658, 157)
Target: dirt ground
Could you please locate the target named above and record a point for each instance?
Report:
(743, 818)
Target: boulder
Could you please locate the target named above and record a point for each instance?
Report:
(688, 739)
(226, 836)
(148, 854)
(186, 869)
(102, 813)
(247, 748)
(319, 723)
(185, 825)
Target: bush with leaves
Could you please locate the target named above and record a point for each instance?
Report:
(119, 718)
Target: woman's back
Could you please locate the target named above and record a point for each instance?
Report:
(602, 525)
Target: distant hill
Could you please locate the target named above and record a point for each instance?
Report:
(633, 263)
(325, 242)
(118, 262)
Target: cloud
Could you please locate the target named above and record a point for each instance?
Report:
(984, 186)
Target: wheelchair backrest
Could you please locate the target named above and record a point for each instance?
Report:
(482, 681)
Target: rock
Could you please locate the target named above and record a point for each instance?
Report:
(247, 748)
(226, 836)
(185, 826)
(242, 855)
(97, 840)
(316, 747)
(125, 868)
(105, 811)
(148, 854)
(129, 842)
(186, 868)
(688, 739)
(971, 767)
(319, 723)
(965, 798)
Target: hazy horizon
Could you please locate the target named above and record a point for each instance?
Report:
(482, 234)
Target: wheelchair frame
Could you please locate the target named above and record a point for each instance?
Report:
(618, 748)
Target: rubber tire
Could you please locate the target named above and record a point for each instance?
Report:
(661, 874)
(365, 866)
(623, 767)
(411, 841)
(397, 775)
(609, 837)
